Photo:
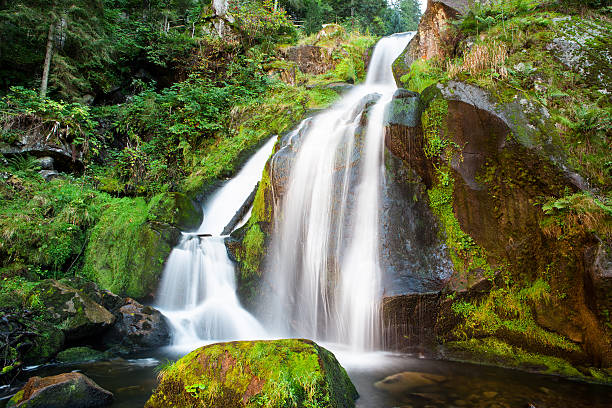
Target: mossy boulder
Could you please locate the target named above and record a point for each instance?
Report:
(177, 210)
(278, 373)
(72, 310)
(73, 390)
(80, 354)
(131, 242)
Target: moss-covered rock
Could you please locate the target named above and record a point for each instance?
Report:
(80, 354)
(279, 373)
(130, 243)
(59, 391)
(177, 210)
(73, 311)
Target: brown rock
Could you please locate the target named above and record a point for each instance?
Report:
(73, 390)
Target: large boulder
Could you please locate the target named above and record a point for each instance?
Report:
(79, 355)
(72, 310)
(73, 390)
(482, 166)
(276, 373)
(137, 327)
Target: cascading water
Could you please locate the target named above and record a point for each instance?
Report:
(198, 289)
(324, 260)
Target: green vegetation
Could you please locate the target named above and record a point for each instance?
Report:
(281, 373)
(494, 351)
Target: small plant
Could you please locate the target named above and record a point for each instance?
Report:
(23, 163)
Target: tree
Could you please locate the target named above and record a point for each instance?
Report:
(410, 12)
(64, 39)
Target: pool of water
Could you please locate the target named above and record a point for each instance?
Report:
(427, 384)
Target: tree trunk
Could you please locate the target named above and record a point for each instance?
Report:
(47, 66)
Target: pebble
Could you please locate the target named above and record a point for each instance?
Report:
(490, 394)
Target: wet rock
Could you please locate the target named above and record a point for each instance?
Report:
(80, 354)
(137, 327)
(238, 374)
(73, 390)
(74, 311)
(408, 380)
(490, 394)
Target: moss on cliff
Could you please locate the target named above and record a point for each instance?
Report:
(129, 245)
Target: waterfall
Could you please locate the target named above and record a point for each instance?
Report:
(198, 288)
(323, 265)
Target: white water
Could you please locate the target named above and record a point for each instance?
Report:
(198, 288)
(324, 264)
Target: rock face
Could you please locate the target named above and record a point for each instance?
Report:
(246, 373)
(60, 391)
(74, 311)
(503, 156)
(311, 59)
(428, 41)
(137, 327)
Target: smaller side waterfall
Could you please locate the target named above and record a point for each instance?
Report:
(198, 288)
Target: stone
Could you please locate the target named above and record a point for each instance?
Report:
(78, 316)
(490, 394)
(292, 372)
(408, 381)
(311, 59)
(79, 354)
(137, 327)
(46, 162)
(73, 390)
(428, 40)
(49, 175)
(330, 31)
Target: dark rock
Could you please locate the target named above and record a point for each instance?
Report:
(73, 390)
(237, 374)
(80, 354)
(240, 214)
(74, 311)
(49, 175)
(137, 327)
(46, 162)
(340, 87)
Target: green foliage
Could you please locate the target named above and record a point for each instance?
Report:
(509, 309)
(114, 261)
(22, 111)
(44, 225)
(422, 74)
(497, 352)
(260, 21)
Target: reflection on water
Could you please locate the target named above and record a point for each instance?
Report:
(426, 384)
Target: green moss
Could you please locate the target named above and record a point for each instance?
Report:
(128, 248)
(79, 354)
(281, 373)
(468, 258)
(493, 351)
(421, 75)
